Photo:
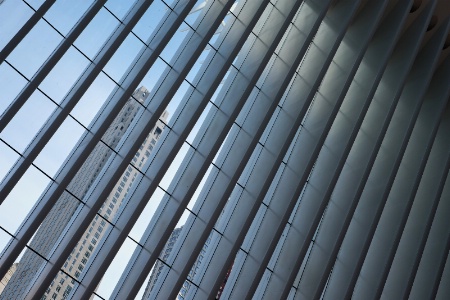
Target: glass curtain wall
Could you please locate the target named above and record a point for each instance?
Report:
(224, 149)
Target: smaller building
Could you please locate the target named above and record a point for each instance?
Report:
(11, 270)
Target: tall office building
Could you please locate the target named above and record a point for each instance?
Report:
(309, 139)
(7, 277)
(159, 265)
(59, 218)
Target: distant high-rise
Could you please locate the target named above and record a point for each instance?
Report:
(159, 265)
(4, 281)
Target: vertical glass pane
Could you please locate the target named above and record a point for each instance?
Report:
(7, 159)
(11, 83)
(151, 20)
(14, 14)
(96, 33)
(123, 58)
(174, 172)
(59, 147)
(27, 122)
(4, 240)
(64, 14)
(34, 49)
(119, 8)
(174, 46)
(88, 174)
(64, 75)
(35, 3)
(94, 98)
(147, 214)
(154, 76)
(22, 198)
(117, 267)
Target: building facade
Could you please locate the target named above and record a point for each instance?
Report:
(59, 218)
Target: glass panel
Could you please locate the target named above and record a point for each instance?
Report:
(11, 83)
(35, 3)
(13, 14)
(152, 79)
(173, 107)
(123, 58)
(117, 267)
(54, 226)
(4, 240)
(201, 263)
(119, 8)
(202, 191)
(96, 33)
(194, 76)
(174, 172)
(7, 159)
(64, 75)
(174, 46)
(22, 198)
(64, 14)
(93, 100)
(27, 122)
(195, 13)
(34, 49)
(151, 20)
(119, 195)
(59, 147)
(147, 214)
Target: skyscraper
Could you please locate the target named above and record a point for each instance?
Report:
(158, 266)
(58, 220)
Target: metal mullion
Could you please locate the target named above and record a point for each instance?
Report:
(362, 91)
(80, 155)
(405, 51)
(70, 100)
(397, 203)
(119, 163)
(26, 28)
(442, 290)
(281, 206)
(193, 120)
(170, 287)
(159, 101)
(50, 127)
(297, 237)
(420, 204)
(346, 128)
(432, 261)
(368, 192)
(389, 159)
(243, 215)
